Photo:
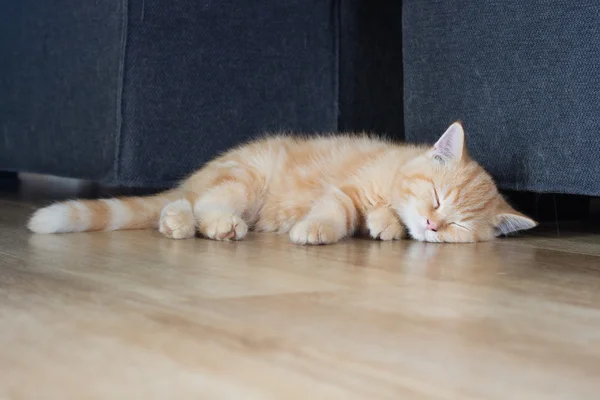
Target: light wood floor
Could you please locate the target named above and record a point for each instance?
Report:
(132, 315)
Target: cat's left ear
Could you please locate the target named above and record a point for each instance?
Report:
(451, 146)
(508, 220)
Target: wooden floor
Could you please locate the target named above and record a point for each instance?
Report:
(132, 315)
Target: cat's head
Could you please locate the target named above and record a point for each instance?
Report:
(448, 197)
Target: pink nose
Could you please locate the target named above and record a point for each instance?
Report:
(432, 226)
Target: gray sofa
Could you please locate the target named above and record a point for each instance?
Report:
(141, 92)
(524, 76)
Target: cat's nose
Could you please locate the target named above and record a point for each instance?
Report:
(432, 226)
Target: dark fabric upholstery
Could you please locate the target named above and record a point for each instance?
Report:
(141, 92)
(524, 76)
(202, 76)
(142, 96)
(59, 80)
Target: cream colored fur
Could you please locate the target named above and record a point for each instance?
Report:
(319, 190)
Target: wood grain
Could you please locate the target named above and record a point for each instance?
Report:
(132, 315)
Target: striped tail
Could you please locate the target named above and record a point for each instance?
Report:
(97, 215)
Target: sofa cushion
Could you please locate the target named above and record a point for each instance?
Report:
(202, 76)
(523, 76)
(59, 86)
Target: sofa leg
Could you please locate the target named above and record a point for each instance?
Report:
(9, 180)
(550, 207)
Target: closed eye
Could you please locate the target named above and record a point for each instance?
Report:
(460, 226)
(437, 199)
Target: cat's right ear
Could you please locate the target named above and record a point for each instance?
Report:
(451, 146)
(508, 220)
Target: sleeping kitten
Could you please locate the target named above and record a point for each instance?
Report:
(319, 190)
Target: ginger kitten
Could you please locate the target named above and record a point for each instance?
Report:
(319, 190)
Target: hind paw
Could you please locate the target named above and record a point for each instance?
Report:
(315, 232)
(177, 220)
(223, 226)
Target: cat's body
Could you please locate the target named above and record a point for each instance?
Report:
(320, 190)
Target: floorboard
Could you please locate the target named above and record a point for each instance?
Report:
(130, 315)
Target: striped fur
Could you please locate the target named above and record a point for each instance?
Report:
(97, 215)
(318, 190)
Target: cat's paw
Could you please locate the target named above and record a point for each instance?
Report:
(177, 220)
(315, 232)
(220, 225)
(383, 224)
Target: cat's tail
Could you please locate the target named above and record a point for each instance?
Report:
(106, 214)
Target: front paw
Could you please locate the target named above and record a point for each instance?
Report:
(177, 220)
(383, 224)
(315, 232)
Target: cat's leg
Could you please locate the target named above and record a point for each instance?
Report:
(219, 212)
(383, 223)
(331, 218)
(177, 220)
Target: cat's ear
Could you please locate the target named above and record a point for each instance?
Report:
(451, 146)
(508, 220)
